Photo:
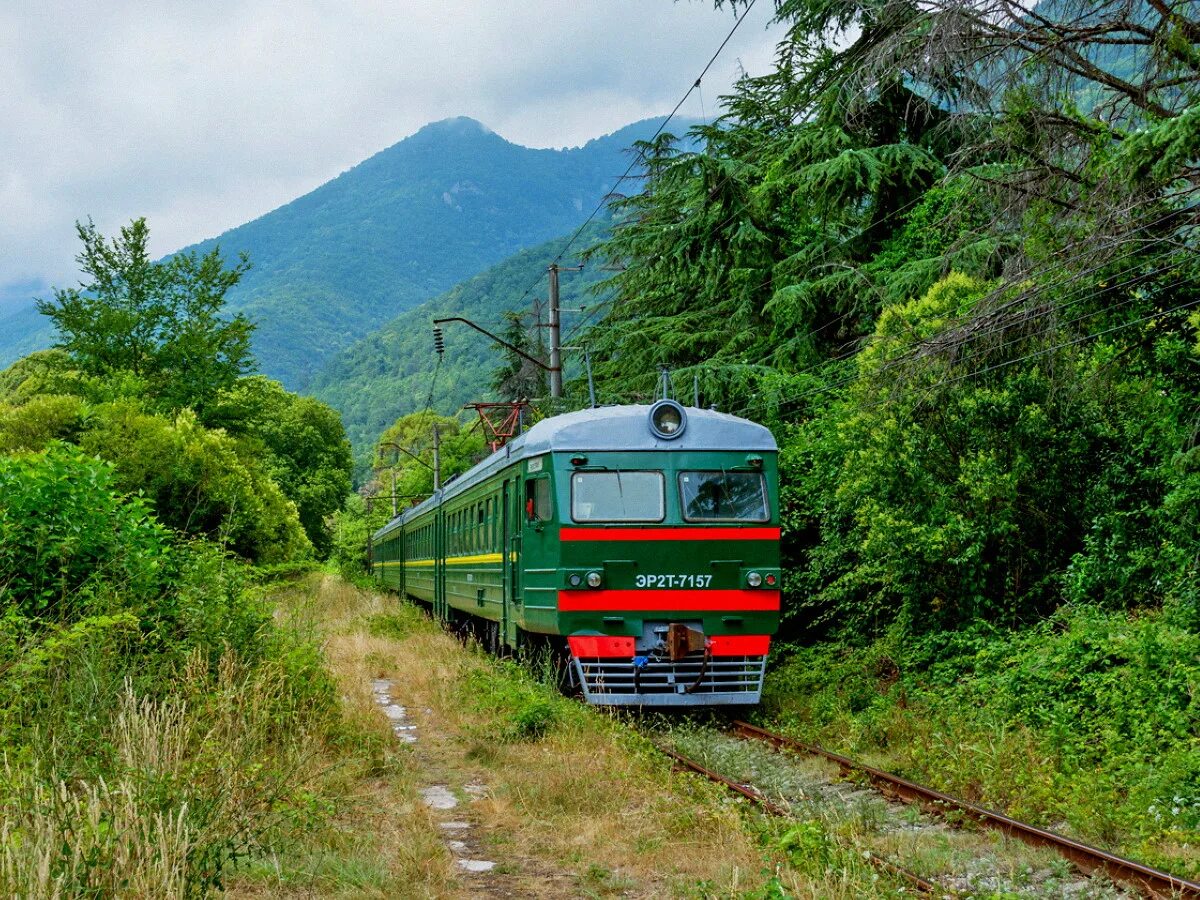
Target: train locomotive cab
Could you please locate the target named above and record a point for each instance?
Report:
(668, 556)
(641, 540)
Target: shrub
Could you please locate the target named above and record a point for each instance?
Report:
(65, 532)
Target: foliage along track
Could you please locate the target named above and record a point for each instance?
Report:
(1148, 881)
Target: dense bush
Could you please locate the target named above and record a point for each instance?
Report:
(154, 720)
(197, 481)
(263, 476)
(69, 543)
(301, 444)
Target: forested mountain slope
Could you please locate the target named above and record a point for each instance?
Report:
(404, 225)
(388, 373)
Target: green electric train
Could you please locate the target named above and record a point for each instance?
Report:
(642, 541)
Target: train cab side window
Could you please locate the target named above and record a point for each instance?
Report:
(537, 500)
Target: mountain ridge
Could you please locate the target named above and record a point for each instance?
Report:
(396, 229)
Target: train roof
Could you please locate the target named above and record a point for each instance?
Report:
(605, 428)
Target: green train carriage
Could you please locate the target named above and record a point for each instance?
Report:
(644, 540)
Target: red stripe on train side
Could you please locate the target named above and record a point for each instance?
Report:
(667, 601)
(694, 533)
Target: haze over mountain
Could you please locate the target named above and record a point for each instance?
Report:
(402, 226)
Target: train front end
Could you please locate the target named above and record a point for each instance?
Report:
(669, 549)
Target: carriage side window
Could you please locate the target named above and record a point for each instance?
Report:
(617, 497)
(537, 500)
(723, 496)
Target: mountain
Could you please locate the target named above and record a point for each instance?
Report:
(22, 328)
(390, 372)
(406, 224)
(403, 226)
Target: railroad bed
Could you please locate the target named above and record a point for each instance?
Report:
(918, 851)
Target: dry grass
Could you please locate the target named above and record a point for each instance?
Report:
(189, 790)
(372, 836)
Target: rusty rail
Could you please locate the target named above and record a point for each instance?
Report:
(1149, 881)
(775, 809)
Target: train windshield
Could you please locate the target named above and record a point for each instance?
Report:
(723, 496)
(617, 497)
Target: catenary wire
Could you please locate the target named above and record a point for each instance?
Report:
(640, 156)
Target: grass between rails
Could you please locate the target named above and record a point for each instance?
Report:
(1088, 723)
(571, 802)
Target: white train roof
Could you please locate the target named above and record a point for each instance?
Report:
(606, 428)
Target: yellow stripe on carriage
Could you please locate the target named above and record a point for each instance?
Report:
(479, 559)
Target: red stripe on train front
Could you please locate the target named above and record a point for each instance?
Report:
(695, 533)
(667, 601)
(740, 644)
(601, 646)
(589, 646)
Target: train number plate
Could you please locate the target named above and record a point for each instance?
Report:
(673, 581)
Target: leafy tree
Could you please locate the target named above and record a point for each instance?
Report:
(161, 321)
(197, 481)
(518, 378)
(300, 442)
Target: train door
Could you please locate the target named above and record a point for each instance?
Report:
(511, 521)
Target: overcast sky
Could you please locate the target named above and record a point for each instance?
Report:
(203, 115)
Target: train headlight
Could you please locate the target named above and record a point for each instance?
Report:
(667, 419)
(754, 579)
(771, 579)
(575, 580)
(593, 579)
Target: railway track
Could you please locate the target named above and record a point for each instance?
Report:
(922, 886)
(1145, 880)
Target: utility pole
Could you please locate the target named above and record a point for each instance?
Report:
(437, 458)
(394, 492)
(555, 337)
(556, 329)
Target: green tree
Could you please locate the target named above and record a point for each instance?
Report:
(300, 441)
(198, 481)
(161, 321)
(518, 378)
(65, 531)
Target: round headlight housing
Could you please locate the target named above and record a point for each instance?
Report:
(593, 579)
(754, 579)
(667, 419)
(575, 580)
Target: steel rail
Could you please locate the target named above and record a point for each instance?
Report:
(1149, 881)
(775, 809)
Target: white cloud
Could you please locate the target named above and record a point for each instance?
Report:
(204, 115)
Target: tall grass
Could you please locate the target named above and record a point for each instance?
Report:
(180, 788)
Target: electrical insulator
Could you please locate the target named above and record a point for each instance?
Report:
(439, 343)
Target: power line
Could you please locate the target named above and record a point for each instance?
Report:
(915, 352)
(1071, 343)
(855, 346)
(640, 155)
(976, 356)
